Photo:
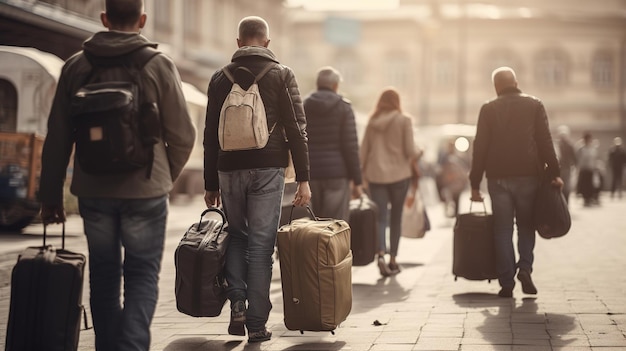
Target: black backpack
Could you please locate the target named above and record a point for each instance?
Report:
(115, 130)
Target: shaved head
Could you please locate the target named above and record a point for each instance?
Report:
(503, 77)
(253, 30)
(124, 13)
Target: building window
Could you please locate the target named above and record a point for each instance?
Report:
(444, 69)
(552, 68)
(602, 69)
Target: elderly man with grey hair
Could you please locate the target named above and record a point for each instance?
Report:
(333, 148)
(512, 147)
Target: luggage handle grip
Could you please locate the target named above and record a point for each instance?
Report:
(484, 206)
(213, 209)
(309, 210)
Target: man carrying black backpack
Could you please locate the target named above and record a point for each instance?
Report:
(118, 92)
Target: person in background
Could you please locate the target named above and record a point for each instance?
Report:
(452, 178)
(567, 158)
(617, 160)
(512, 147)
(587, 156)
(333, 148)
(251, 182)
(124, 214)
(389, 162)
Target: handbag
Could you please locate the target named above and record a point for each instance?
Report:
(551, 213)
(414, 219)
(199, 258)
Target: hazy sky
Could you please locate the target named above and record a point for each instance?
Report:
(343, 5)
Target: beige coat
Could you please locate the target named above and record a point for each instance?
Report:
(388, 148)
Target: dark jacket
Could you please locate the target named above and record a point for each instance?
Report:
(512, 139)
(162, 85)
(283, 107)
(333, 142)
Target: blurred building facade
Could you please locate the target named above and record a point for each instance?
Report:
(440, 55)
(200, 35)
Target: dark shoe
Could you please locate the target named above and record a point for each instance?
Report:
(382, 266)
(237, 318)
(394, 268)
(505, 292)
(258, 336)
(527, 283)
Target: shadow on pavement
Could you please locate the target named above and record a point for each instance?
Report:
(327, 346)
(387, 290)
(518, 324)
(197, 343)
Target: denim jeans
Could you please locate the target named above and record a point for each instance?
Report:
(252, 202)
(512, 202)
(382, 195)
(125, 238)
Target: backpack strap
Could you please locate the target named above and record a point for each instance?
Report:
(257, 78)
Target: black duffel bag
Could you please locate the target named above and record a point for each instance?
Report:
(551, 214)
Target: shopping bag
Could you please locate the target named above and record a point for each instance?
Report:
(551, 214)
(414, 220)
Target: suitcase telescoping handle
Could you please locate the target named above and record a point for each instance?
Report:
(482, 202)
(62, 235)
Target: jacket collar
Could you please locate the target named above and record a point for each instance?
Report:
(247, 51)
(509, 91)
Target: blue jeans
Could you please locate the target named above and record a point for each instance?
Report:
(252, 202)
(512, 201)
(383, 195)
(330, 198)
(125, 238)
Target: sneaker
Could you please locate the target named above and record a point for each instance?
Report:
(527, 283)
(505, 292)
(237, 318)
(259, 336)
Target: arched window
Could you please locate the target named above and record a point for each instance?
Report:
(603, 69)
(552, 68)
(8, 107)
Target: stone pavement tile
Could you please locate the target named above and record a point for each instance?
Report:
(406, 337)
(575, 340)
(609, 340)
(531, 348)
(574, 348)
(437, 344)
(465, 347)
(443, 333)
(531, 341)
(391, 347)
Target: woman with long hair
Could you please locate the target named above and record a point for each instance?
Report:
(388, 156)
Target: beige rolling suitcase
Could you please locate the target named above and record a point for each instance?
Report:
(316, 273)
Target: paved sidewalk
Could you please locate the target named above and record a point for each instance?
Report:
(581, 303)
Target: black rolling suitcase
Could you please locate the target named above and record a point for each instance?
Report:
(46, 299)
(364, 225)
(474, 256)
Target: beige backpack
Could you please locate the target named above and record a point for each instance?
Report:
(243, 123)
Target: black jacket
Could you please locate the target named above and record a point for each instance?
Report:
(283, 106)
(333, 142)
(512, 139)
